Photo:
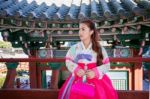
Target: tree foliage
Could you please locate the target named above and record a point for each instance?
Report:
(4, 44)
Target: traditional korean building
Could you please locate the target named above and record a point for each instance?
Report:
(43, 28)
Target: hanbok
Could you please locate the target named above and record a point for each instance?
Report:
(78, 57)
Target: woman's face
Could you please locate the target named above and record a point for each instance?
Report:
(85, 32)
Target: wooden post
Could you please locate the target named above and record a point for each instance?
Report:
(39, 77)
(137, 72)
(33, 77)
(33, 71)
(54, 79)
(11, 74)
(138, 76)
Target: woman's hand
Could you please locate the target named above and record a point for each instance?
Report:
(80, 72)
(90, 74)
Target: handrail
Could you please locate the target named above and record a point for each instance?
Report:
(134, 59)
(53, 94)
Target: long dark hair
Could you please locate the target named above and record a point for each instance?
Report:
(95, 38)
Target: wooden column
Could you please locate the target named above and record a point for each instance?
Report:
(33, 75)
(33, 71)
(11, 74)
(138, 76)
(138, 72)
(39, 77)
(54, 79)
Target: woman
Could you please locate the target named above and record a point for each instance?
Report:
(88, 61)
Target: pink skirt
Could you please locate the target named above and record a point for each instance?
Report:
(103, 89)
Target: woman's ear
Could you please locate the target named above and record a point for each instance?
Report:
(91, 32)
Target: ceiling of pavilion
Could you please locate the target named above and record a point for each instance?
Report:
(35, 20)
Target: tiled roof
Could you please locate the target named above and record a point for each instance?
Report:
(28, 24)
(74, 9)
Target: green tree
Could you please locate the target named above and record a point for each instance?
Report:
(4, 44)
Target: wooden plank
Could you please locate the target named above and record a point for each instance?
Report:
(53, 94)
(29, 94)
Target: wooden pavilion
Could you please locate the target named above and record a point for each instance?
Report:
(32, 26)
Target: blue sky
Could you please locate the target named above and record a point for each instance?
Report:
(1, 39)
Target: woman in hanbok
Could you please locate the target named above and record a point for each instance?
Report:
(88, 63)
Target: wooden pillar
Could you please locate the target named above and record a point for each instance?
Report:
(137, 72)
(33, 75)
(130, 77)
(39, 77)
(54, 79)
(138, 76)
(11, 74)
(33, 71)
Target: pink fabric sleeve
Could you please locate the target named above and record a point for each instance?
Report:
(68, 58)
(105, 61)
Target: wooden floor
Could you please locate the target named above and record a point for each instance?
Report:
(52, 94)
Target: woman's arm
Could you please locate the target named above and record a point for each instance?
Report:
(71, 62)
(70, 56)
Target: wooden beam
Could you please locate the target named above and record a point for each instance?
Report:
(53, 94)
(32, 60)
(146, 59)
(54, 29)
(134, 59)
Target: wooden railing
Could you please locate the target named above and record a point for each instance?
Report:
(134, 59)
(135, 74)
(53, 94)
